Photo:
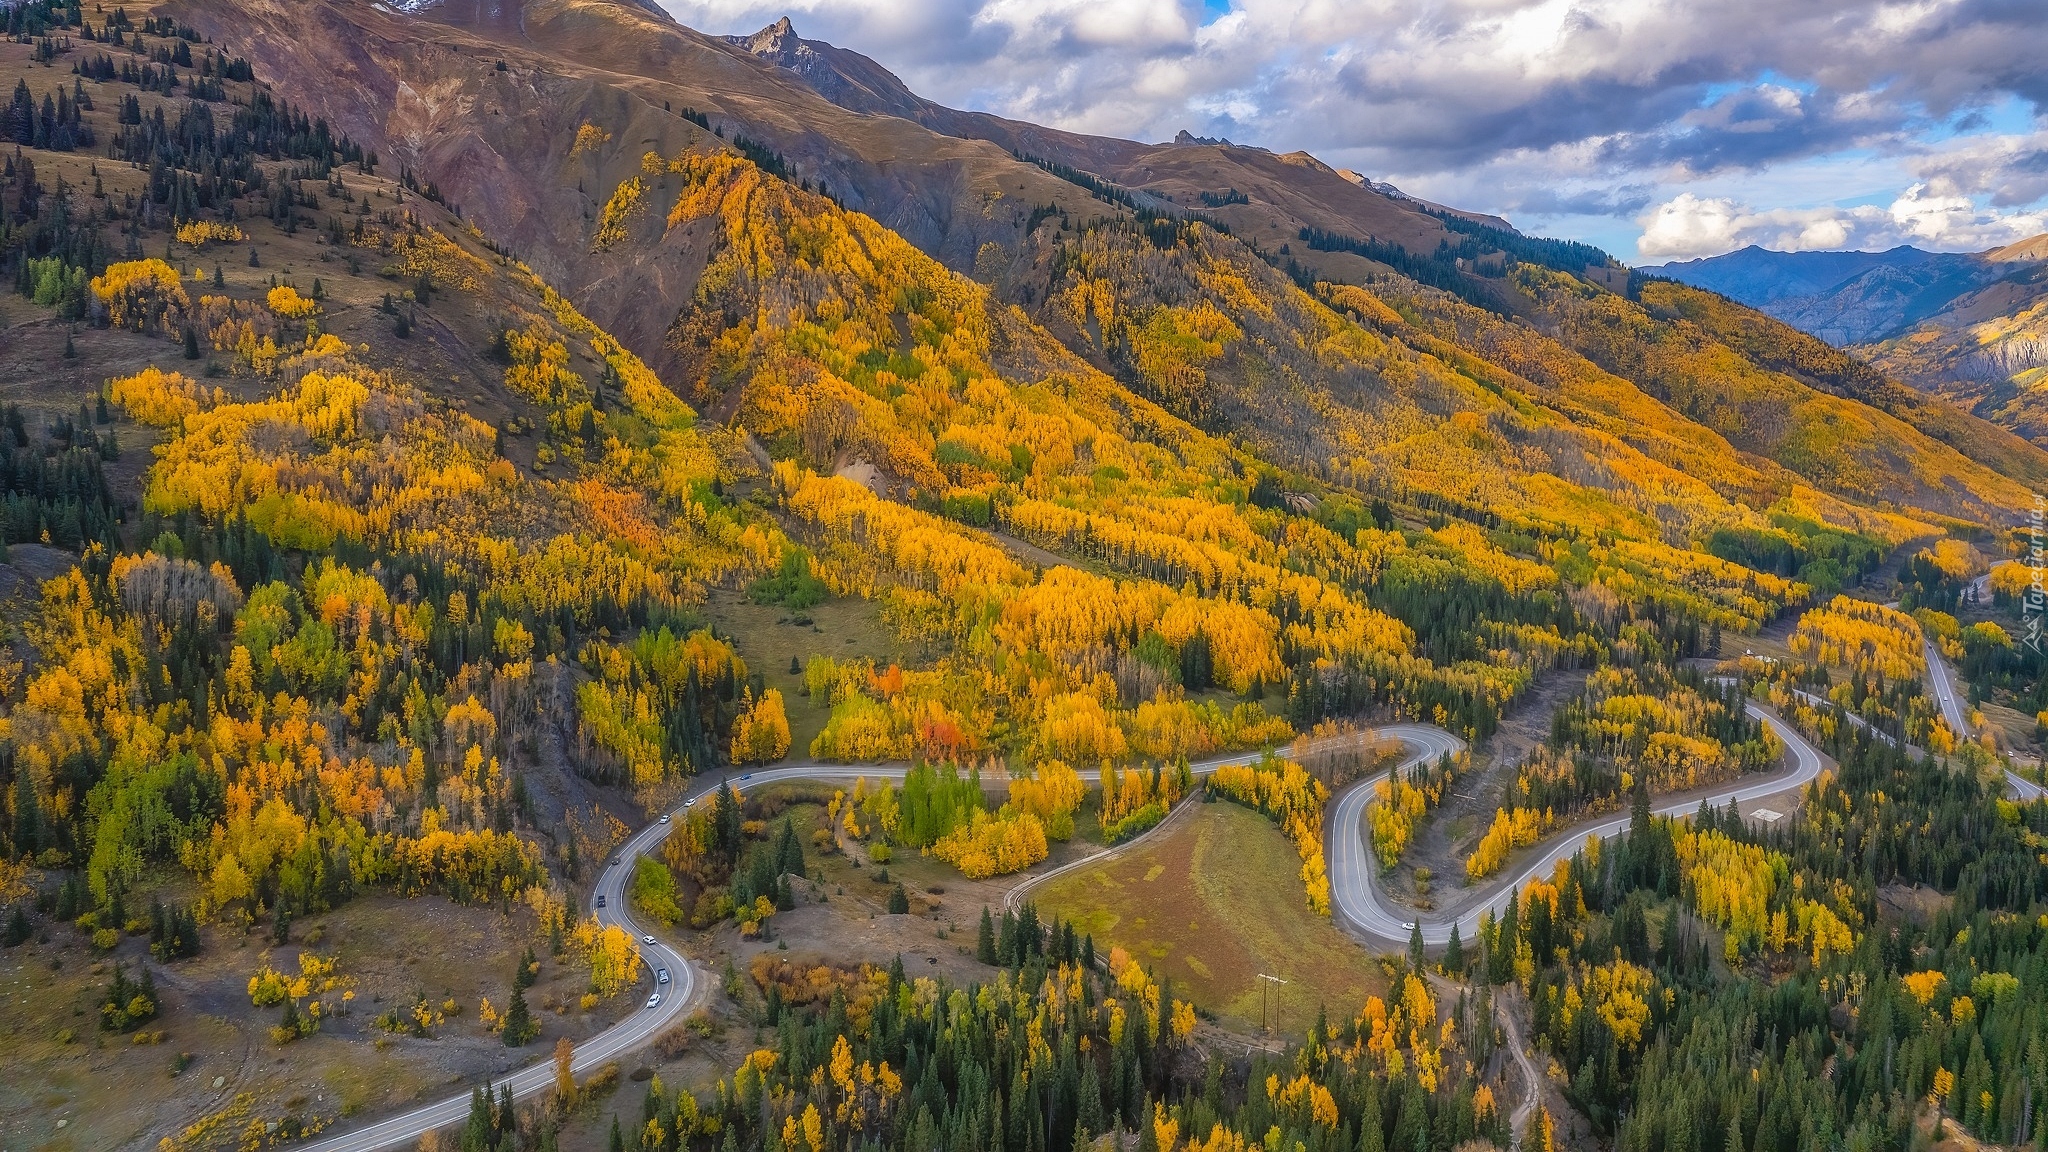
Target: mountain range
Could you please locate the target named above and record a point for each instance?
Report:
(437, 437)
(487, 102)
(1965, 326)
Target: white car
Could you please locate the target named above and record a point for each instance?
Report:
(647, 939)
(690, 803)
(661, 976)
(654, 1000)
(664, 817)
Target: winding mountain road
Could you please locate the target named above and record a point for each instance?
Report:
(1361, 907)
(1958, 717)
(645, 1023)
(642, 1026)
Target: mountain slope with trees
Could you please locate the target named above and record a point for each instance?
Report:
(487, 356)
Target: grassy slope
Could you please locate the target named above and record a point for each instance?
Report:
(1212, 903)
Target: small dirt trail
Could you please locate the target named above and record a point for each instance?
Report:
(1532, 1088)
(1532, 1092)
(1446, 837)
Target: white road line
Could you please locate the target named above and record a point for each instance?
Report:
(644, 1024)
(1362, 906)
(1359, 903)
(1958, 717)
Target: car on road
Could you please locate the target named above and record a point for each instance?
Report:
(647, 939)
(690, 803)
(664, 817)
(615, 860)
(600, 900)
(661, 976)
(748, 776)
(654, 1000)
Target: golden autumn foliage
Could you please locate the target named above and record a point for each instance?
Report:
(1631, 725)
(761, 732)
(1136, 798)
(539, 369)
(1052, 793)
(145, 296)
(339, 760)
(286, 302)
(1099, 575)
(1751, 893)
(993, 845)
(199, 233)
(1511, 829)
(625, 203)
(612, 954)
(1732, 885)
(589, 138)
(1862, 636)
(153, 396)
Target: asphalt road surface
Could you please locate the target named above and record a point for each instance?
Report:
(644, 1024)
(1363, 908)
(1958, 716)
(639, 1027)
(1359, 903)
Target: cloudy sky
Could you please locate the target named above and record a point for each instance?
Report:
(1659, 129)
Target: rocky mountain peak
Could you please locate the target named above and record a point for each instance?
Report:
(778, 42)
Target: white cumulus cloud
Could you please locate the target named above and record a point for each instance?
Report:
(1926, 215)
(1525, 102)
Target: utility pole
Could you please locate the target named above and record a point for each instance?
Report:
(1269, 982)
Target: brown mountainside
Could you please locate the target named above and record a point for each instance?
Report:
(538, 118)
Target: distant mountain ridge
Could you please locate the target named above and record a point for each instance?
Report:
(1262, 196)
(1970, 327)
(1756, 275)
(1851, 298)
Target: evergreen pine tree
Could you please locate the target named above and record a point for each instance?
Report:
(1415, 956)
(985, 939)
(476, 1131)
(519, 1024)
(1411, 1130)
(789, 851)
(1372, 1134)
(1030, 937)
(899, 901)
(18, 928)
(1089, 1115)
(1640, 858)
(1006, 940)
(1454, 953)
